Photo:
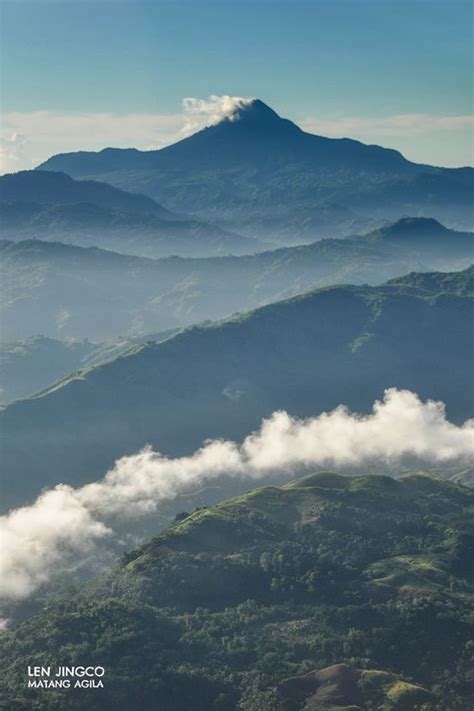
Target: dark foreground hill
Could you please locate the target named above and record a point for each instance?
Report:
(327, 593)
(52, 206)
(259, 172)
(306, 355)
(66, 291)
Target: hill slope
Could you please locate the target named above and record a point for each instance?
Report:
(239, 606)
(31, 365)
(254, 166)
(49, 188)
(53, 206)
(68, 292)
(305, 355)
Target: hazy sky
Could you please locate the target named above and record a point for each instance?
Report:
(77, 74)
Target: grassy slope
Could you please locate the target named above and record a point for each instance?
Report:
(229, 602)
(36, 363)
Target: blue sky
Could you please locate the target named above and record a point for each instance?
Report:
(83, 74)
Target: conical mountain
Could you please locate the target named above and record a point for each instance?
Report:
(260, 175)
(253, 135)
(410, 231)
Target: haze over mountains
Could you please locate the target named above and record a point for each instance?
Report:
(252, 303)
(254, 168)
(64, 291)
(251, 175)
(53, 206)
(306, 355)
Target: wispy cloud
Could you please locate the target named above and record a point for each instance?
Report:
(396, 125)
(50, 132)
(12, 151)
(66, 524)
(207, 112)
(27, 139)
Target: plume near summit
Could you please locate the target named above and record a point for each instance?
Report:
(207, 112)
(236, 356)
(257, 173)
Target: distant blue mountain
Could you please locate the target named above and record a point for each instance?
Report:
(254, 133)
(100, 294)
(43, 187)
(257, 165)
(53, 206)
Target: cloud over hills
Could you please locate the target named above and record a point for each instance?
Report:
(66, 524)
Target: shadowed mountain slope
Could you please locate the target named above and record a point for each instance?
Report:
(305, 355)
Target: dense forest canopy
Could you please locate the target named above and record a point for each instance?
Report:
(329, 591)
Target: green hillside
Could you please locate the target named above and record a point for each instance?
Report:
(305, 355)
(35, 363)
(329, 592)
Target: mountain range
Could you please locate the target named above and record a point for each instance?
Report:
(328, 593)
(306, 355)
(249, 303)
(64, 291)
(53, 206)
(253, 169)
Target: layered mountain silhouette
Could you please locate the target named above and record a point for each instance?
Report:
(336, 345)
(53, 206)
(253, 135)
(47, 188)
(254, 166)
(64, 291)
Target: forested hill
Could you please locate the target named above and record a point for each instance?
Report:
(330, 592)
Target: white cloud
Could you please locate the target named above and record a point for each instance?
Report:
(420, 137)
(207, 112)
(65, 524)
(50, 132)
(397, 125)
(12, 151)
(29, 138)
(37, 538)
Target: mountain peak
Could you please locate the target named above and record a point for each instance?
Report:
(252, 110)
(421, 224)
(252, 119)
(411, 231)
(414, 227)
